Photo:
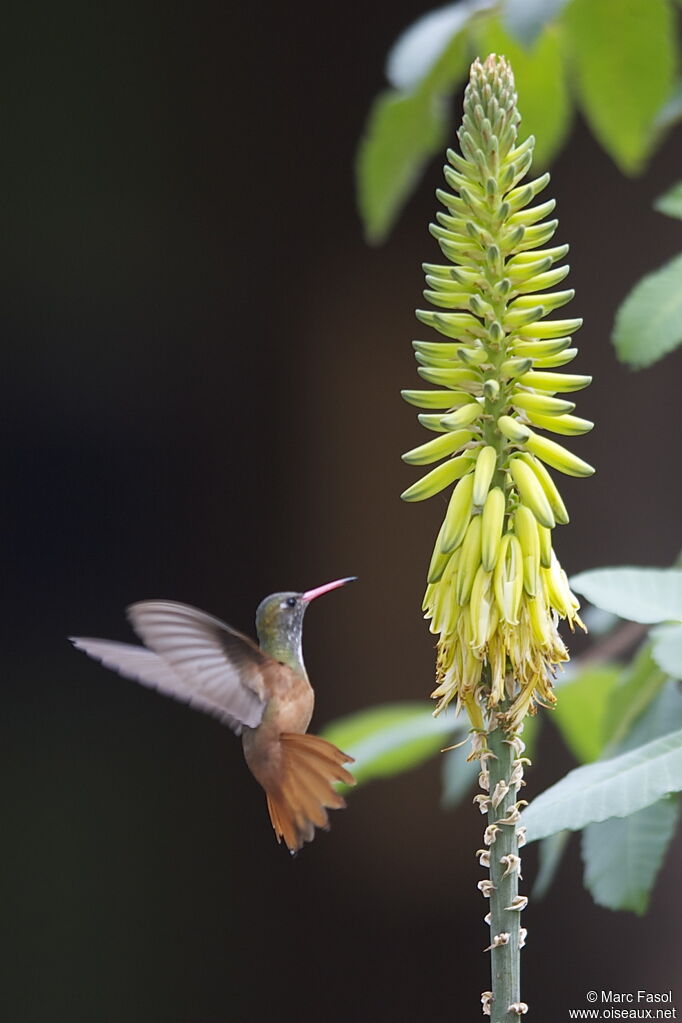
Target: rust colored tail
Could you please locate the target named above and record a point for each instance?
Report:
(299, 802)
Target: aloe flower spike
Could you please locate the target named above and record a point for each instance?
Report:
(496, 589)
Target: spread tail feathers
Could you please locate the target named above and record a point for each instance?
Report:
(299, 802)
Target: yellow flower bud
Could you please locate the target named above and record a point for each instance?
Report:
(531, 492)
(483, 474)
(437, 479)
(458, 515)
(508, 581)
(469, 560)
(526, 529)
(492, 522)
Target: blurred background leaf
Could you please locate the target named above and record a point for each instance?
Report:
(671, 111)
(550, 854)
(623, 855)
(427, 43)
(619, 57)
(619, 786)
(631, 707)
(459, 776)
(648, 324)
(645, 595)
(525, 19)
(639, 686)
(670, 202)
(667, 649)
(624, 53)
(392, 738)
(580, 712)
(396, 737)
(402, 133)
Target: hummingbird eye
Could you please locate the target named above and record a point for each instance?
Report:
(291, 602)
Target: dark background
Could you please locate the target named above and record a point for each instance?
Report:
(201, 366)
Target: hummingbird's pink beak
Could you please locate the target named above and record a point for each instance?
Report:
(312, 594)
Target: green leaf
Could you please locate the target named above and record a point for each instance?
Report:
(402, 134)
(391, 738)
(408, 125)
(662, 716)
(645, 595)
(670, 202)
(609, 788)
(450, 69)
(671, 111)
(597, 621)
(525, 19)
(550, 854)
(624, 53)
(425, 42)
(639, 687)
(531, 731)
(544, 101)
(623, 855)
(667, 649)
(581, 710)
(459, 777)
(648, 324)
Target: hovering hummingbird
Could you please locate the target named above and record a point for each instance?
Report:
(261, 692)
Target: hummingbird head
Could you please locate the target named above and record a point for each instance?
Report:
(279, 620)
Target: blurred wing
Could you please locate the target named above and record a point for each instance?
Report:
(150, 670)
(217, 663)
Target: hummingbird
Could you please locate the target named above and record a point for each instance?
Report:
(260, 691)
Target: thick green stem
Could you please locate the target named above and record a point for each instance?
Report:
(505, 929)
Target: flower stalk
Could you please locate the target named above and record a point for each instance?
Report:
(495, 589)
(502, 838)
